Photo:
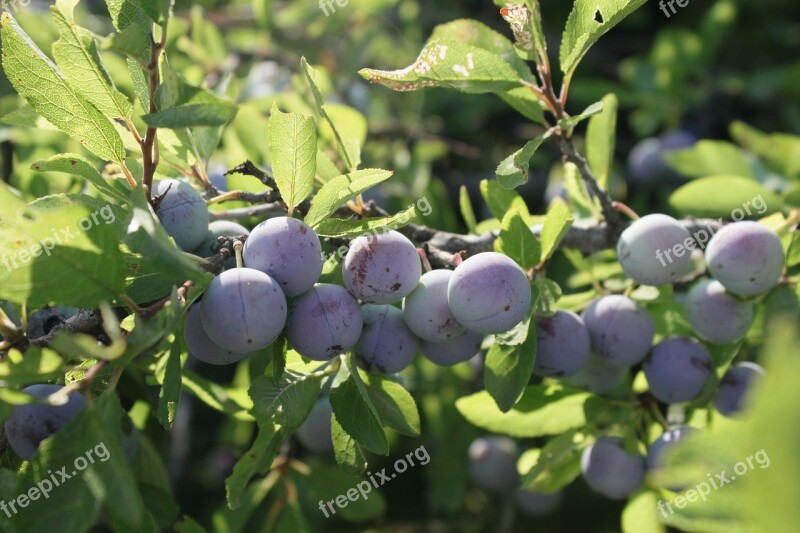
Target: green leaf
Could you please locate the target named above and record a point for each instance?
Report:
(588, 21)
(570, 122)
(78, 58)
(508, 369)
(340, 190)
(347, 229)
(125, 13)
(287, 403)
(726, 197)
(780, 151)
(349, 145)
(465, 204)
(355, 411)
(500, 200)
(517, 241)
(53, 250)
(640, 514)
(257, 460)
(232, 401)
(170, 394)
(513, 170)
(542, 410)
(293, 149)
(327, 481)
(450, 64)
(525, 102)
(556, 224)
(26, 117)
(37, 366)
(39, 81)
(601, 137)
(556, 465)
(141, 85)
(395, 405)
(348, 452)
(77, 164)
(709, 158)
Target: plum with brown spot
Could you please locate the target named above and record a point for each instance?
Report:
(562, 344)
(426, 310)
(382, 268)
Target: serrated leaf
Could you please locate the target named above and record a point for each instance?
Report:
(39, 365)
(40, 82)
(542, 410)
(588, 21)
(779, 151)
(47, 255)
(293, 149)
(26, 117)
(500, 200)
(141, 85)
(508, 369)
(336, 192)
(77, 164)
(445, 63)
(557, 465)
(170, 393)
(395, 405)
(355, 411)
(257, 460)
(517, 241)
(346, 229)
(726, 197)
(601, 137)
(568, 123)
(78, 58)
(348, 452)
(513, 170)
(556, 224)
(525, 102)
(288, 403)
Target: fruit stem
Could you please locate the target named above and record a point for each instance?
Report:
(237, 249)
(625, 208)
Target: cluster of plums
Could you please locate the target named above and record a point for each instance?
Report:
(445, 314)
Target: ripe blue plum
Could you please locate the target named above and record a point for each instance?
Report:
(610, 470)
(644, 161)
(324, 322)
(315, 432)
(201, 346)
(655, 250)
(655, 453)
(620, 330)
(243, 310)
(599, 375)
(493, 464)
(489, 293)
(217, 229)
(562, 344)
(182, 212)
(746, 257)
(288, 250)
(382, 268)
(715, 315)
(30, 424)
(386, 344)
(458, 349)
(677, 369)
(426, 310)
(735, 386)
(537, 503)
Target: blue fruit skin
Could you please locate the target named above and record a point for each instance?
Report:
(489, 293)
(216, 229)
(315, 432)
(735, 386)
(32, 423)
(201, 346)
(677, 369)
(458, 349)
(288, 250)
(324, 322)
(243, 310)
(182, 212)
(620, 330)
(647, 250)
(426, 310)
(610, 470)
(746, 257)
(668, 439)
(493, 464)
(562, 344)
(716, 316)
(386, 344)
(382, 268)
(537, 503)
